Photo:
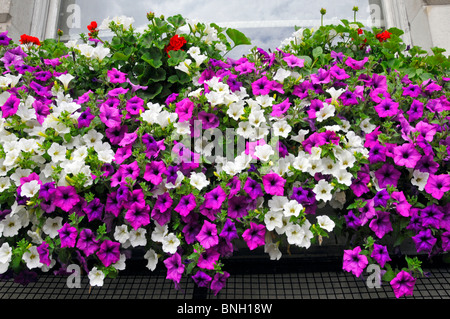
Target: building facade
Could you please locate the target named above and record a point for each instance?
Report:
(426, 23)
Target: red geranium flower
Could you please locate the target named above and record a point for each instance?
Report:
(93, 29)
(383, 36)
(26, 39)
(175, 44)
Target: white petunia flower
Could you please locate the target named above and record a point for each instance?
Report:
(276, 203)
(326, 112)
(335, 94)
(30, 189)
(170, 243)
(366, 126)
(121, 234)
(264, 152)
(31, 258)
(420, 179)
(5, 253)
(66, 79)
(152, 259)
(326, 223)
(295, 234)
(292, 208)
(281, 128)
(273, 219)
(137, 237)
(198, 180)
(343, 177)
(256, 118)
(96, 277)
(323, 190)
(52, 225)
(159, 233)
(12, 225)
(5, 183)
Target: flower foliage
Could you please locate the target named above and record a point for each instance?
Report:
(157, 141)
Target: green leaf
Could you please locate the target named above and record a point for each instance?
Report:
(177, 20)
(153, 57)
(317, 52)
(119, 56)
(176, 57)
(238, 37)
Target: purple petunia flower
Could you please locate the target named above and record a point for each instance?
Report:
(274, 184)
(85, 119)
(42, 111)
(380, 254)
(229, 231)
(87, 242)
(66, 197)
(424, 240)
(359, 184)
(238, 206)
(207, 236)
(403, 284)
(4, 39)
(412, 91)
(381, 224)
(186, 205)
(255, 235)
(431, 216)
(235, 186)
(162, 218)
(381, 197)
(202, 279)
(138, 215)
(44, 254)
(352, 220)
(354, 262)
(68, 236)
(321, 77)
(281, 108)
(356, 65)
(175, 268)
(208, 120)
(94, 210)
(377, 153)
(11, 106)
(253, 188)
(416, 111)
(109, 252)
(387, 175)
(219, 282)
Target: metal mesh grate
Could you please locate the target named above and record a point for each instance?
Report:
(246, 282)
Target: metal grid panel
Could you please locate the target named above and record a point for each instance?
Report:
(318, 285)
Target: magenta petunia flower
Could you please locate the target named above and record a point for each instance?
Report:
(403, 284)
(110, 116)
(354, 262)
(184, 109)
(338, 73)
(186, 205)
(68, 236)
(215, 198)
(118, 91)
(207, 236)
(281, 108)
(131, 170)
(245, 68)
(262, 86)
(274, 184)
(153, 172)
(116, 77)
(416, 111)
(175, 268)
(4, 39)
(380, 254)
(208, 258)
(387, 175)
(424, 241)
(293, 61)
(109, 252)
(438, 185)
(135, 105)
(387, 108)
(356, 65)
(11, 106)
(138, 215)
(381, 224)
(253, 188)
(321, 77)
(255, 235)
(66, 197)
(406, 155)
(412, 90)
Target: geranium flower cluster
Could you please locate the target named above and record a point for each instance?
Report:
(249, 151)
